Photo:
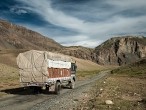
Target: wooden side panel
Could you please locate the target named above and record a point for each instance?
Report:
(58, 72)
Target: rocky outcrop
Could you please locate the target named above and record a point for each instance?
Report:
(121, 50)
(79, 52)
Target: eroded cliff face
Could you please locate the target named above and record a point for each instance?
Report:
(121, 50)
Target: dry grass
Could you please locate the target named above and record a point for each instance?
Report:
(87, 68)
(127, 93)
(87, 65)
(126, 87)
(9, 76)
(137, 69)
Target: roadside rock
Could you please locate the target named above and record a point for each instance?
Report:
(109, 102)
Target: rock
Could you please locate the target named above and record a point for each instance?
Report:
(109, 102)
(119, 108)
(100, 95)
(121, 50)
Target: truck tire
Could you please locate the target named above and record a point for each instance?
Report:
(57, 88)
(37, 90)
(72, 84)
(47, 88)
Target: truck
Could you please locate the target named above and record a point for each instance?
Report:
(43, 69)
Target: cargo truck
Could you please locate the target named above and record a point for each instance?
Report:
(42, 69)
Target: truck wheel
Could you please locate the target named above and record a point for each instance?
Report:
(37, 90)
(57, 88)
(72, 84)
(47, 88)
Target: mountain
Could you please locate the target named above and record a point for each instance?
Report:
(18, 37)
(115, 51)
(121, 50)
(79, 52)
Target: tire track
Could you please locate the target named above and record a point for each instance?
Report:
(46, 101)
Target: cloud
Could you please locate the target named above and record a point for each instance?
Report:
(85, 43)
(18, 11)
(79, 40)
(58, 18)
(127, 4)
(89, 23)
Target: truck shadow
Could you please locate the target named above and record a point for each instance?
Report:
(26, 91)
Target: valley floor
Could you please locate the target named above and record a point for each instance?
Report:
(24, 99)
(125, 92)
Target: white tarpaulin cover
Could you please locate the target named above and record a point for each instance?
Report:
(33, 64)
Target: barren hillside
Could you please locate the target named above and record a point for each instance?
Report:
(17, 37)
(79, 52)
(115, 51)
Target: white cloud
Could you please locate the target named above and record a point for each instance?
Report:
(90, 33)
(120, 24)
(18, 11)
(59, 18)
(85, 43)
(127, 4)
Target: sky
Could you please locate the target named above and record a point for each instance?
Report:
(85, 23)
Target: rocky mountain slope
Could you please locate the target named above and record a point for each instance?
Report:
(115, 51)
(17, 37)
(79, 52)
(121, 50)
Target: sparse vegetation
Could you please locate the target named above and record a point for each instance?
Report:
(86, 74)
(9, 78)
(143, 41)
(126, 92)
(135, 69)
(8, 74)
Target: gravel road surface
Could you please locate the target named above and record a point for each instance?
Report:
(67, 100)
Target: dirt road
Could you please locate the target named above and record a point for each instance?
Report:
(68, 99)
